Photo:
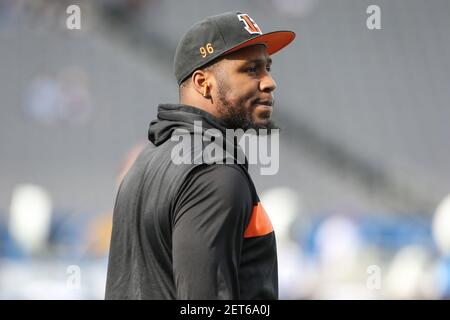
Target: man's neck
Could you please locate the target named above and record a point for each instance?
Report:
(202, 105)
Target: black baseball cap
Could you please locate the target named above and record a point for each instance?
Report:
(221, 34)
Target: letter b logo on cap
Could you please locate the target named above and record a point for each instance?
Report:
(249, 24)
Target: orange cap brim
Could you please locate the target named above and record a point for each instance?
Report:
(274, 41)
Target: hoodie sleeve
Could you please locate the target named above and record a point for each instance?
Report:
(211, 212)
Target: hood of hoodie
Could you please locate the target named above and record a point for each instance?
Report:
(178, 116)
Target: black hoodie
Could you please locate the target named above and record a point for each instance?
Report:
(189, 231)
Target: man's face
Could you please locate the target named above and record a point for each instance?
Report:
(244, 89)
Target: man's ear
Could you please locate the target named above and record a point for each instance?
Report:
(201, 84)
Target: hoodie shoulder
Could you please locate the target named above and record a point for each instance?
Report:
(217, 185)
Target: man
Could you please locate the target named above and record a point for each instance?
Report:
(197, 230)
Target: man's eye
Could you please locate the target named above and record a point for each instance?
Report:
(251, 69)
(269, 69)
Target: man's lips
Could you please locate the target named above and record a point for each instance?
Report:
(264, 109)
(268, 103)
(264, 105)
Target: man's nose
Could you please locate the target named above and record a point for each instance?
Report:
(267, 83)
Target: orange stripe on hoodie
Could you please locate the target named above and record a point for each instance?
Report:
(260, 224)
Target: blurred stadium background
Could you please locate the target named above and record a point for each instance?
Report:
(360, 204)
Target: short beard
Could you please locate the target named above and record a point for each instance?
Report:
(237, 116)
